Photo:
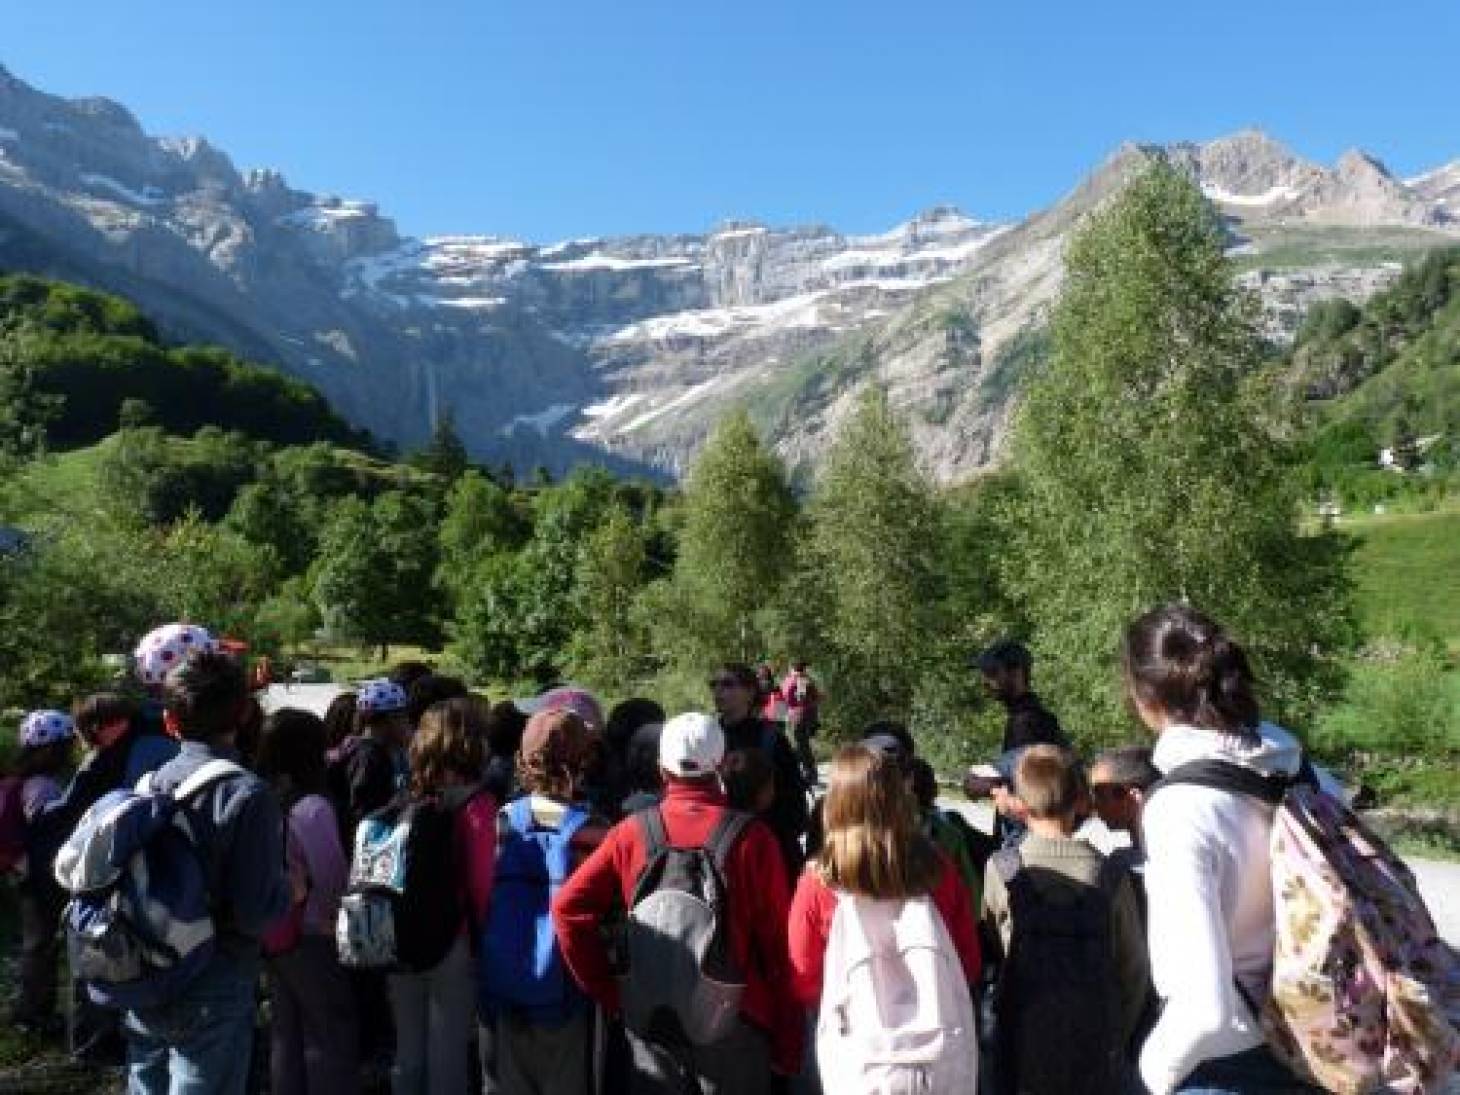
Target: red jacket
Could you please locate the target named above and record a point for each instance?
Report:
(815, 904)
(757, 893)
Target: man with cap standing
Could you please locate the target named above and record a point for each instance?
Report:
(768, 1033)
(1006, 667)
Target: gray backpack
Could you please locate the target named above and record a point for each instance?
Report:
(682, 988)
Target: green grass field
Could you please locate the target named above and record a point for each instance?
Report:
(1407, 569)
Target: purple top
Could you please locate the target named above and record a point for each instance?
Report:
(314, 847)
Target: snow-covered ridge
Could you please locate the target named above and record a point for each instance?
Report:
(1269, 196)
(326, 213)
(148, 195)
(600, 261)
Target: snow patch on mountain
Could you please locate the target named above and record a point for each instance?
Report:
(1267, 197)
(9, 135)
(613, 262)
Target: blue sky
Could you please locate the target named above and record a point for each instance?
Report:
(559, 118)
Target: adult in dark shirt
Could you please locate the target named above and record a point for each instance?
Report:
(1005, 667)
(735, 692)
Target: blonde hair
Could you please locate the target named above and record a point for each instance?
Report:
(1049, 782)
(873, 846)
(447, 743)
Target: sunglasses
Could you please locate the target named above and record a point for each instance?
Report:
(727, 682)
(1110, 789)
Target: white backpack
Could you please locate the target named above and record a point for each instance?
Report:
(896, 1015)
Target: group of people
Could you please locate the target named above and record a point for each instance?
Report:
(537, 897)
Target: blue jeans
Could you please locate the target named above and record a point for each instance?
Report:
(1252, 1072)
(200, 1043)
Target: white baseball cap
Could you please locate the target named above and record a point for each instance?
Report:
(691, 745)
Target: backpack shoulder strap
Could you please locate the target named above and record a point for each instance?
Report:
(727, 830)
(656, 838)
(1223, 775)
(209, 774)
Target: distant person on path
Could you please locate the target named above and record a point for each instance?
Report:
(733, 690)
(1208, 865)
(1072, 982)
(766, 1033)
(803, 716)
(772, 699)
(201, 1041)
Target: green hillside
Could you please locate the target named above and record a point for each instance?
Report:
(97, 351)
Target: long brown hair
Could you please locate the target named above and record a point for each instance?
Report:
(1181, 662)
(447, 743)
(873, 846)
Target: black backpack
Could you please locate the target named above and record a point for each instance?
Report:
(1058, 1000)
(402, 909)
(683, 988)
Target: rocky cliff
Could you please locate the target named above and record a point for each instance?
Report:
(628, 349)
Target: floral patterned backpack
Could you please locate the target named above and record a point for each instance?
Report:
(1365, 995)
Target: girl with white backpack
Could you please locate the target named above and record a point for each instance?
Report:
(882, 936)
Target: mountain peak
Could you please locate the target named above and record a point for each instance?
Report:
(1357, 162)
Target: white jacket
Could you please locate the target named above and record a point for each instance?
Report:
(1208, 884)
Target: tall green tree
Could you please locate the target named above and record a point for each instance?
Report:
(445, 454)
(1156, 462)
(353, 577)
(609, 649)
(480, 519)
(735, 550)
(870, 578)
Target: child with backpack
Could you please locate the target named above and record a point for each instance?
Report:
(1288, 943)
(882, 939)
(1072, 984)
(46, 741)
(543, 1024)
(703, 996)
(203, 874)
(314, 1049)
(419, 864)
(370, 768)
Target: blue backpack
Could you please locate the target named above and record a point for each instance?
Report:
(138, 926)
(520, 968)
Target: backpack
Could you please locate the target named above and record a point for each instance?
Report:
(1365, 995)
(682, 987)
(1058, 996)
(139, 925)
(12, 823)
(402, 907)
(896, 1014)
(520, 967)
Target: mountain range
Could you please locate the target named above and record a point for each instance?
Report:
(626, 350)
